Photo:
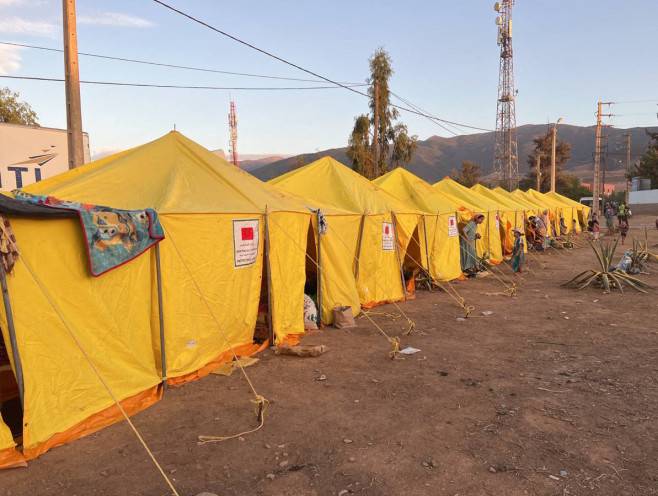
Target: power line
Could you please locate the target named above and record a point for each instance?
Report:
(280, 59)
(162, 64)
(176, 86)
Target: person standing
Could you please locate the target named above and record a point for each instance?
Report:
(518, 255)
(595, 226)
(469, 258)
(623, 230)
(622, 214)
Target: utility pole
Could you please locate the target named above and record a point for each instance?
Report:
(553, 154)
(233, 131)
(596, 190)
(627, 147)
(72, 77)
(376, 144)
(538, 173)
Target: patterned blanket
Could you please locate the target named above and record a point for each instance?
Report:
(113, 237)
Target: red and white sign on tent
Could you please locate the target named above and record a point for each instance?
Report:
(388, 239)
(452, 226)
(245, 242)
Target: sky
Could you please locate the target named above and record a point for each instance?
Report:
(568, 55)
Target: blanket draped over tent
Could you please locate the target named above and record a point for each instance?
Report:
(113, 236)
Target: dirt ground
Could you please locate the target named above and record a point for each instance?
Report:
(555, 393)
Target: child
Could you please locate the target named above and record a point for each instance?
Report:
(595, 227)
(518, 255)
(623, 230)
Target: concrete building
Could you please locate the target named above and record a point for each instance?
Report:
(29, 154)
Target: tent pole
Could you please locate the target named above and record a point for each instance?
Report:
(319, 270)
(269, 278)
(358, 246)
(427, 253)
(489, 233)
(397, 249)
(12, 334)
(163, 354)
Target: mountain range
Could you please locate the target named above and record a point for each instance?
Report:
(437, 156)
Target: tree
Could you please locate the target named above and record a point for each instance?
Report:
(394, 145)
(470, 174)
(576, 190)
(648, 166)
(542, 147)
(297, 164)
(13, 111)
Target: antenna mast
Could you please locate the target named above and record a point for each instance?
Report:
(233, 127)
(506, 156)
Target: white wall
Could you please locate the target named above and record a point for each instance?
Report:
(644, 197)
(29, 154)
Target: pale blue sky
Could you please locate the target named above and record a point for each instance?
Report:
(568, 55)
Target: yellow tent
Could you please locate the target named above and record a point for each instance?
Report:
(477, 204)
(203, 203)
(529, 207)
(440, 219)
(582, 211)
(550, 205)
(563, 211)
(513, 216)
(374, 240)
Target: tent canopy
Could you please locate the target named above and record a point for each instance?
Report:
(172, 175)
(335, 185)
(440, 224)
(415, 192)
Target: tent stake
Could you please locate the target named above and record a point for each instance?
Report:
(319, 271)
(397, 249)
(269, 279)
(427, 253)
(358, 247)
(163, 355)
(12, 334)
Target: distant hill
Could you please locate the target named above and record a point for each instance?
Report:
(437, 156)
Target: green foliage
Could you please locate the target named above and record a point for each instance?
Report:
(648, 166)
(13, 111)
(542, 147)
(394, 145)
(359, 150)
(297, 164)
(470, 174)
(605, 277)
(576, 190)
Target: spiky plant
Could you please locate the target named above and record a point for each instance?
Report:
(569, 243)
(606, 277)
(484, 260)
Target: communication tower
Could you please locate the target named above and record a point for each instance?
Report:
(506, 156)
(233, 127)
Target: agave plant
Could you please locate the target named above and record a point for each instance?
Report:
(607, 277)
(640, 254)
(484, 260)
(569, 243)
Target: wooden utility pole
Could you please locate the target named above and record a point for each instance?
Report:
(627, 147)
(538, 168)
(376, 143)
(597, 163)
(72, 76)
(596, 190)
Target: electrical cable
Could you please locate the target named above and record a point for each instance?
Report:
(177, 86)
(280, 59)
(161, 64)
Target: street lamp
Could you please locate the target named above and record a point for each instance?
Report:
(553, 154)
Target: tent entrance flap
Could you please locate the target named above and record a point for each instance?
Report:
(11, 410)
(312, 287)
